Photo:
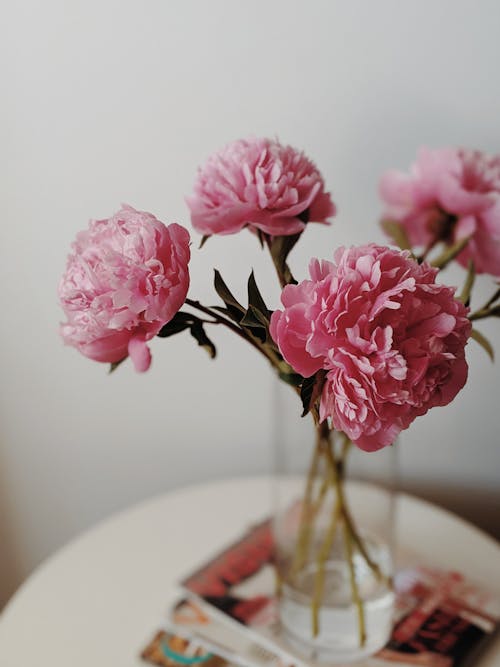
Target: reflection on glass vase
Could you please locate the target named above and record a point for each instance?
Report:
(333, 530)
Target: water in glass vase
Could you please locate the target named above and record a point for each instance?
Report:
(338, 636)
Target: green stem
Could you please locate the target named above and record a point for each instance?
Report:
(430, 246)
(354, 584)
(487, 310)
(275, 360)
(346, 514)
(283, 271)
(482, 314)
(495, 297)
(362, 549)
(349, 533)
(319, 580)
(219, 319)
(318, 503)
(305, 525)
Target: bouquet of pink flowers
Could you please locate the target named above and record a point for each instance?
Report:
(370, 341)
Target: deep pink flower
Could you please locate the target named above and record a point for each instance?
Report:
(450, 194)
(260, 183)
(390, 338)
(126, 277)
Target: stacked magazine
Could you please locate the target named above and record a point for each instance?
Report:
(228, 615)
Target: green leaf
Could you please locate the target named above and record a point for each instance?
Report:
(311, 389)
(450, 253)
(113, 366)
(204, 239)
(280, 248)
(257, 315)
(397, 233)
(233, 313)
(257, 323)
(178, 323)
(484, 342)
(293, 379)
(254, 318)
(182, 321)
(225, 293)
(199, 334)
(468, 285)
(255, 299)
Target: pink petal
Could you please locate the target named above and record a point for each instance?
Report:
(140, 353)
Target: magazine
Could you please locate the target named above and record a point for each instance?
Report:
(187, 615)
(441, 618)
(168, 648)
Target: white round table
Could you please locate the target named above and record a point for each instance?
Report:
(99, 600)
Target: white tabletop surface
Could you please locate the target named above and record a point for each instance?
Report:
(97, 601)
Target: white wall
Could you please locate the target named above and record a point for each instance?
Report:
(107, 101)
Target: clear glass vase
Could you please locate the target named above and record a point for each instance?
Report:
(333, 530)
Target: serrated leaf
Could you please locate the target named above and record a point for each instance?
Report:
(484, 342)
(468, 285)
(113, 366)
(311, 389)
(225, 293)
(204, 239)
(198, 333)
(397, 233)
(450, 253)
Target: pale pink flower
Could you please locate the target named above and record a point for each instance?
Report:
(126, 277)
(449, 194)
(390, 338)
(261, 184)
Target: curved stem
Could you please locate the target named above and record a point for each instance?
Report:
(274, 359)
(355, 537)
(306, 517)
(488, 310)
(430, 246)
(218, 318)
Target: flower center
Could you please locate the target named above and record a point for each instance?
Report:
(441, 225)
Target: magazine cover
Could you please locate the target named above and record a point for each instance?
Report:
(442, 619)
(167, 649)
(170, 647)
(188, 616)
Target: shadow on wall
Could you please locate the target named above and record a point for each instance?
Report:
(10, 567)
(479, 506)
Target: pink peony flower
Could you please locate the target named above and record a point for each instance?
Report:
(260, 183)
(450, 194)
(126, 277)
(390, 338)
